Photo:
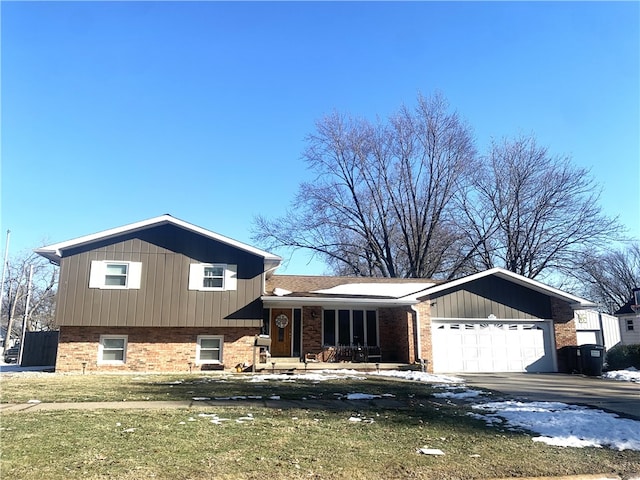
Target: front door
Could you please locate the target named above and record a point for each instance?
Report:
(281, 332)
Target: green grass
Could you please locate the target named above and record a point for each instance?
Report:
(279, 443)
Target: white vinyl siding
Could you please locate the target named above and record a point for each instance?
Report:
(112, 349)
(213, 277)
(209, 349)
(107, 274)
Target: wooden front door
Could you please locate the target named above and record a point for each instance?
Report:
(281, 322)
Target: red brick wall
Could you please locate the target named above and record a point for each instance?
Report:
(151, 349)
(396, 335)
(426, 340)
(564, 328)
(311, 330)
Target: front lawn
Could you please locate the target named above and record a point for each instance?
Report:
(352, 440)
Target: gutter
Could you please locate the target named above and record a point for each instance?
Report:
(320, 301)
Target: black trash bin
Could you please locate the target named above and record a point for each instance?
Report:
(592, 359)
(570, 359)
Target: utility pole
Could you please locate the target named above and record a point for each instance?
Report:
(4, 271)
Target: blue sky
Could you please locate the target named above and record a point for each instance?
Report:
(116, 112)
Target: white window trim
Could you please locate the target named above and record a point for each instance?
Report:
(208, 337)
(97, 275)
(196, 277)
(101, 350)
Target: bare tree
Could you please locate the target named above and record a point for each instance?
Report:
(381, 201)
(43, 289)
(532, 213)
(609, 277)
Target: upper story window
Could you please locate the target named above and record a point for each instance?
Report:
(630, 325)
(212, 277)
(106, 274)
(116, 274)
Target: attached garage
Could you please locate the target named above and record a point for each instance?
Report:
(492, 346)
(497, 321)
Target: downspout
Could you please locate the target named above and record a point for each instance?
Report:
(418, 337)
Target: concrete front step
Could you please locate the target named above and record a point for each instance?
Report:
(280, 364)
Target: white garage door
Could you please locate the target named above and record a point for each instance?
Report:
(490, 346)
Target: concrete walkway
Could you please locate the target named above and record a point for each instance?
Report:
(332, 404)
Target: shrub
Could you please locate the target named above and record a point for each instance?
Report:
(623, 356)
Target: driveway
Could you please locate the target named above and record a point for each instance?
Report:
(611, 395)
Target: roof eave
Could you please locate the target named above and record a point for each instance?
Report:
(575, 302)
(269, 300)
(54, 252)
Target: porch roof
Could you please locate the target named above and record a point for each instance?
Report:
(374, 292)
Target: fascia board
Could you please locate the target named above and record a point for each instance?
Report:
(54, 252)
(576, 302)
(269, 300)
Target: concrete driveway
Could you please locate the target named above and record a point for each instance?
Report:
(611, 395)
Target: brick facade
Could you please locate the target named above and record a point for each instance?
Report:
(151, 349)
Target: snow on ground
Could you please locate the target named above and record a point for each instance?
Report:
(417, 376)
(555, 423)
(629, 375)
(564, 425)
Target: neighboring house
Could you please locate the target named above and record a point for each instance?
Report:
(166, 295)
(596, 328)
(629, 318)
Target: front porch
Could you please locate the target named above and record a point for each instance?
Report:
(295, 365)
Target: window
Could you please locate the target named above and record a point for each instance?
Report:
(209, 349)
(112, 349)
(350, 327)
(115, 274)
(212, 277)
(630, 325)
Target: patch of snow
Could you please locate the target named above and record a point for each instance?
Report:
(461, 395)
(281, 292)
(361, 396)
(391, 290)
(430, 451)
(274, 397)
(630, 374)
(34, 401)
(418, 376)
(201, 399)
(355, 419)
(566, 425)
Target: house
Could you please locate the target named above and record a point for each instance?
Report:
(629, 318)
(166, 295)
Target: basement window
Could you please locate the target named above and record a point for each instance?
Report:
(112, 349)
(209, 349)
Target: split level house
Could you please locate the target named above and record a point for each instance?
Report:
(165, 295)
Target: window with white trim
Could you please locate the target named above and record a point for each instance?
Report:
(108, 274)
(212, 276)
(209, 349)
(112, 349)
(350, 327)
(630, 326)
